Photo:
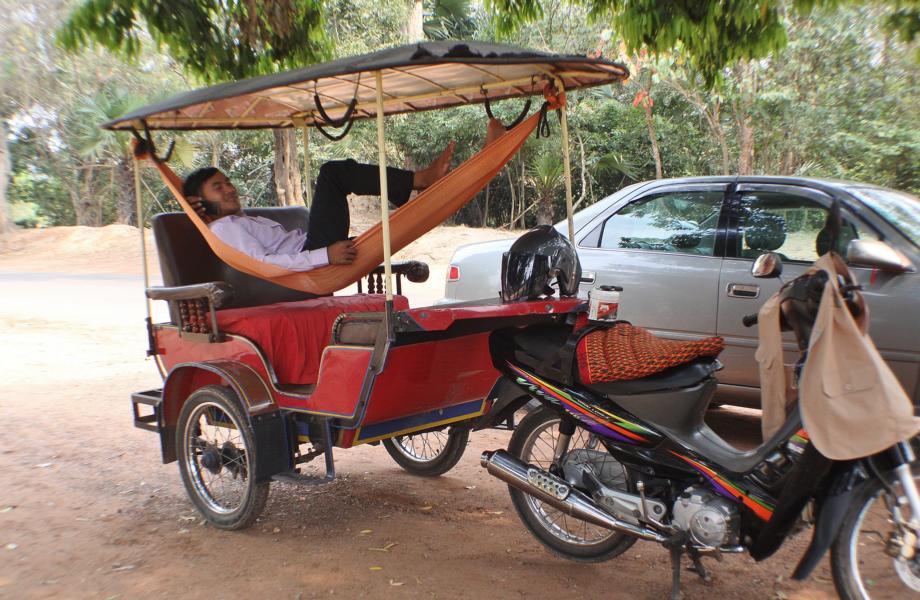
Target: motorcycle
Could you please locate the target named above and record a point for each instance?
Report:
(598, 467)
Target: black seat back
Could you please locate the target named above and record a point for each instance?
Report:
(185, 258)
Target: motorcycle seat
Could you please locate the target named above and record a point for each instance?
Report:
(681, 376)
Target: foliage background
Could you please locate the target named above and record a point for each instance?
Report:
(840, 100)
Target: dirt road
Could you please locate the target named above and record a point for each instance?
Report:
(88, 511)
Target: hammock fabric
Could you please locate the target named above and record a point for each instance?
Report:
(407, 223)
(625, 352)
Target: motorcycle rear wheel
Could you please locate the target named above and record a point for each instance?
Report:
(860, 559)
(571, 538)
(431, 453)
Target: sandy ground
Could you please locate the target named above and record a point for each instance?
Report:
(88, 511)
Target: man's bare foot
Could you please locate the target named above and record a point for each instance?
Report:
(436, 170)
(494, 131)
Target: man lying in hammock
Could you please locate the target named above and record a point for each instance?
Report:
(326, 242)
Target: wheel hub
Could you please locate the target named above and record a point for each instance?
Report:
(909, 572)
(211, 458)
(231, 457)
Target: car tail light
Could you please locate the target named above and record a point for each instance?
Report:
(453, 273)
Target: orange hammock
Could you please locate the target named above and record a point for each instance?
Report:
(407, 223)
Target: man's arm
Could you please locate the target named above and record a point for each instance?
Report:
(236, 236)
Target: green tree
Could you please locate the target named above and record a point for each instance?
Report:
(214, 40)
(710, 34)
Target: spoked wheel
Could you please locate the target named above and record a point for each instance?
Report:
(866, 558)
(217, 458)
(430, 453)
(534, 442)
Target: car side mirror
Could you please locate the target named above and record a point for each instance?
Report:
(877, 254)
(767, 266)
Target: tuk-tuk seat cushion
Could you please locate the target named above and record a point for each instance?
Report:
(293, 334)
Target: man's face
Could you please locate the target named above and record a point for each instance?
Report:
(222, 194)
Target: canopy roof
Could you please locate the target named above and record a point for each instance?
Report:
(417, 77)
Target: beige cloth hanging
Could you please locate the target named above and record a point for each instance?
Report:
(852, 404)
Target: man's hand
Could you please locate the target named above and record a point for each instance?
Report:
(197, 206)
(342, 253)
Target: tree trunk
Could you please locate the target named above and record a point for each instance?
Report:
(545, 209)
(485, 208)
(6, 223)
(288, 189)
(745, 145)
(214, 138)
(743, 109)
(508, 171)
(86, 208)
(126, 205)
(653, 138)
(415, 23)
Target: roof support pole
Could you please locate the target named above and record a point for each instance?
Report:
(140, 226)
(308, 179)
(384, 191)
(566, 163)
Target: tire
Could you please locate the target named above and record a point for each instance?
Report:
(430, 453)
(563, 535)
(861, 567)
(217, 462)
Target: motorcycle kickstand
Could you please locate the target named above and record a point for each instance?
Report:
(675, 545)
(698, 567)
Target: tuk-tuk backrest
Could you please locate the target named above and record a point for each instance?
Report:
(185, 258)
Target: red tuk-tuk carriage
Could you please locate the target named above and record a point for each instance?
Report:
(264, 371)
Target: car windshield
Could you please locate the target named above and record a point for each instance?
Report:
(582, 217)
(901, 210)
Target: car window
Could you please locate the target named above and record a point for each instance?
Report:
(684, 222)
(791, 225)
(901, 210)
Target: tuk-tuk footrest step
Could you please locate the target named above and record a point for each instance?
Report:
(301, 479)
(152, 399)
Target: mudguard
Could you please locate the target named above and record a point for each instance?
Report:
(507, 398)
(831, 513)
(273, 454)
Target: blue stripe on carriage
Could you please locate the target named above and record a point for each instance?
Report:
(418, 421)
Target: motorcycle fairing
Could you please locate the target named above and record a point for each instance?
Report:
(591, 415)
(596, 415)
(758, 505)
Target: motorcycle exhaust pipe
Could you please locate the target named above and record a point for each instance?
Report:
(559, 494)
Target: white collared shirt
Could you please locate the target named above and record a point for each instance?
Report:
(268, 241)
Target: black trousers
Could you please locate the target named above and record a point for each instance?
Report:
(329, 218)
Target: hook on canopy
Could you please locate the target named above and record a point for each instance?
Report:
(345, 120)
(145, 148)
(514, 123)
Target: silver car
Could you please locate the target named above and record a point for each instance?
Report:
(682, 250)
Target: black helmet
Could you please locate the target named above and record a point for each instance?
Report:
(534, 260)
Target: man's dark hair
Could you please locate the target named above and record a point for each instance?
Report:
(196, 179)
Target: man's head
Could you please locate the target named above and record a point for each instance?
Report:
(211, 186)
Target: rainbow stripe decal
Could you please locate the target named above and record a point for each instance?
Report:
(593, 417)
(758, 506)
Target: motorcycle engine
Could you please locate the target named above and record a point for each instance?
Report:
(711, 520)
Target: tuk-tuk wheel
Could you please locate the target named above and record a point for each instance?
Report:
(216, 448)
(430, 453)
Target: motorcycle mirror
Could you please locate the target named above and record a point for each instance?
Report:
(877, 254)
(767, 266)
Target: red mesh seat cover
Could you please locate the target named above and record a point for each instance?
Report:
(625, 352)
(293, 334)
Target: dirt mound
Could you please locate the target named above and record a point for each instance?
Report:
(117, 249)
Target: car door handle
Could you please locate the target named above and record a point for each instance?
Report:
(587, 278)
(743, 290)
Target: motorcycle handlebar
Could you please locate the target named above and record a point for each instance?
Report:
(749, 320)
